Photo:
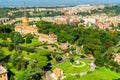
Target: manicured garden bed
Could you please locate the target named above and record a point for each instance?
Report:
(68, 68)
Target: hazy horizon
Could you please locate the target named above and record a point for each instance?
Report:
(55, 2)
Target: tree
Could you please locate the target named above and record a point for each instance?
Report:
(58, 57)
(82, 21)
(1, 54)
(3, 36)
(10, 47)
(118, 25)
(99, 59)
(29, 36)
(28, 40)
(32, 74)
(16, 38)
(22, 64)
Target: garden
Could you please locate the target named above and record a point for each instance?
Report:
(75, 67)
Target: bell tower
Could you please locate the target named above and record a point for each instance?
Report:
(25, 20)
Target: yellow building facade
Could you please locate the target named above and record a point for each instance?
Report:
(25, 28)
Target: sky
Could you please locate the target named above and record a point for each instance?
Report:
(54, 2)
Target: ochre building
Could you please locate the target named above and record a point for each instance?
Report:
(25, 28)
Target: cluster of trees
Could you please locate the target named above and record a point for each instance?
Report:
(4, 31)
(94, 41)
(18, 14)
(107, 60)
(30, 68)
(29, 38)
(62, 31)
(32, 74)
(45, 13)
(18, 62)
(1, 55)
(33, 68)
(4, 11)
(13, 40)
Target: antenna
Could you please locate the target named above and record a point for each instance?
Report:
(24, 8)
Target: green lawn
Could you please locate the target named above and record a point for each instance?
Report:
(35, 41)
(18, 74)
(116, 49)
(42, 60)
(35, 55)
(68, 68)
(6, 51)
(99, 74)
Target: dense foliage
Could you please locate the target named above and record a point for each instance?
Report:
(4, 11)
(35, 61)
(45, 13)
(94, 41)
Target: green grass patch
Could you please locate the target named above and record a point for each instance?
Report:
(35, 41)
(116, 49)
(68, 68)
(36, 56)
(99, 74)
(18, 74)
(6, 51)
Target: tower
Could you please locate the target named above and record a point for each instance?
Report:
(25, 28)
(25, 20)
(24, 8)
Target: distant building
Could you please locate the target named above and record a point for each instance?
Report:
(50, 38)
(25, 28)
(64, 46)
(57, 73)
(89, 21)
(10, 14)
(90, 56)
(4, 20)
(3, 73)
(48, 19)
(61, 20)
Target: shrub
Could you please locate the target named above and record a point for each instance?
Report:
(28, 40)
(10, 47)
(58, 57)
(32, 50)
(4, 44)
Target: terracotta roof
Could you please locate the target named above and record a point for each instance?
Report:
(52, 35)
(57, 69)
(43, 35)
(117, 56)
(26, 27)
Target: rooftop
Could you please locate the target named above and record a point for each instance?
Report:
(2, 70)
